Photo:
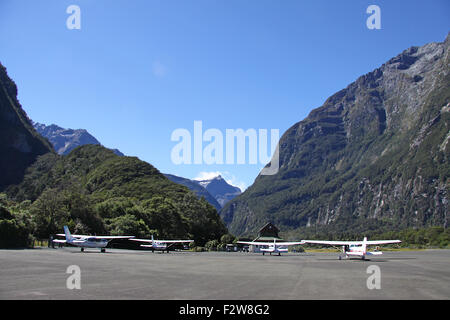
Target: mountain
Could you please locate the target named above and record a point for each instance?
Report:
(91, 189)
(196, 188)
(374, 156)
(95, 191)
(220, 189)
(65, 140)
(20, 144)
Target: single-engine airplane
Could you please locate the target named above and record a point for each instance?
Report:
(84, 241)
(355, 248)
(159, 245)
(272, 247)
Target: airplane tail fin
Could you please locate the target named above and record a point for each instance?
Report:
(364, 244)
(68, 235)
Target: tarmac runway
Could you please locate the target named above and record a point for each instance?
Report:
(127, 274)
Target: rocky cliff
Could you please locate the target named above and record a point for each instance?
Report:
(65, 140)
(20, 144)
(375, 155)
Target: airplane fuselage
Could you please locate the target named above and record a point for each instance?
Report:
(355, 248)
(160, 245)
(83, 241)
(274, 249)
(89, 243)
(358, 251)
(157, 246)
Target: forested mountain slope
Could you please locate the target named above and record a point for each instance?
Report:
(374, 156)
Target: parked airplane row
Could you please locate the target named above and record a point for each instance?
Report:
(349, 248)
(101, 242)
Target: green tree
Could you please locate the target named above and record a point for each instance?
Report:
(128, 225)
(163, 214)
(212, 245)
(49, 213)
(227, 238)
(81, 210)
(13, 234)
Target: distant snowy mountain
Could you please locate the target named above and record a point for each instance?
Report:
(216, 190)
(65, 140)
(194, 186)
(220, 189)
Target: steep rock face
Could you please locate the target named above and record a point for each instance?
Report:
(20, 144)
(65, 140)
(375, 151)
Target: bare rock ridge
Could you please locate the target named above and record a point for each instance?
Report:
(20, 144)
(196, 188)
(221, 190)
(65, 140)
(374, 155)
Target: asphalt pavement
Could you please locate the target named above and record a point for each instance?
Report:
(67, 273)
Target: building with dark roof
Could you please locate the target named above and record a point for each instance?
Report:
(268, 233)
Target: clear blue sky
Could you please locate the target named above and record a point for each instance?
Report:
(138, 70)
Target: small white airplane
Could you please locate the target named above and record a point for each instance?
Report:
(84, 241)
(160, 245)
(355, 248)
(272, 247)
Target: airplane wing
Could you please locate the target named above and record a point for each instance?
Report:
(95, 237)
(289, 243)
(59, 241)
(256, 243)
(164, 241)
(334, 243)
(111, 237)
(73, 235)
(374, 242)
(271, 243)
(174, 241)
(345, 243)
